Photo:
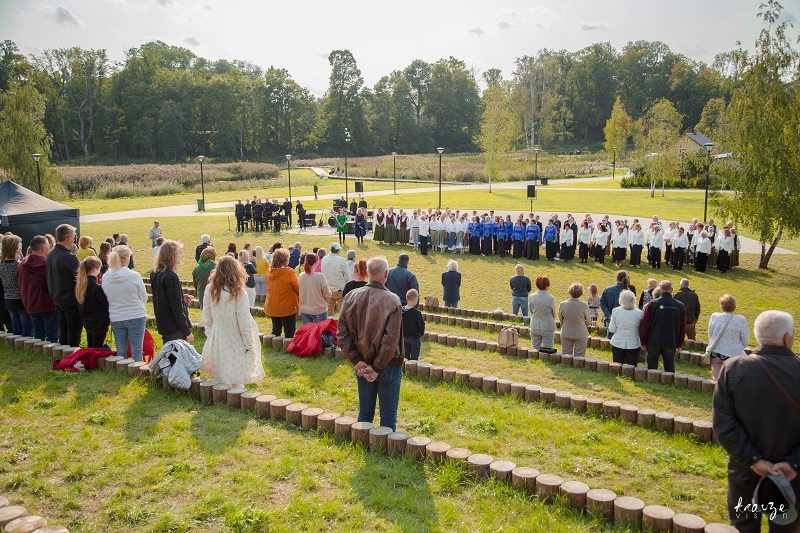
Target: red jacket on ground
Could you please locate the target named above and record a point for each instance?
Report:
(308, 337)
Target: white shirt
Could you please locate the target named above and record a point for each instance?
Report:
(618, 240)
(584, 235)
(680, 241)
(424, 228)
(656, 240)
(669, 235)
(636, 237)
(736, 336)
(414, 222)
(704, 246)
(335, 269)
(433, 224)
(625, 328)
(725, 243)
(601, 238)
(566, 236)
(463, 226)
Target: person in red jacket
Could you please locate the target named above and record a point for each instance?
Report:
(32, 281)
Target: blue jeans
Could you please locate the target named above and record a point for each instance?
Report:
(306, 318)
(132, 329)
(45, 326)
(385, 388)
(517, 303)
(20, 322)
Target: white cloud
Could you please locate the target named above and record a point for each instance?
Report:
(164, 3)
(61, 15)
(503, 25)
(207, 6)
(476, 31)
(591, 26)
(191, 41)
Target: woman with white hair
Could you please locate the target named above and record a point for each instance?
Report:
(250, 284)
(703, 249)
(451, 282)
(728, 334)
(624, 327)
(262, 267)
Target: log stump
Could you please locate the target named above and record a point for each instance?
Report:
(490, 384)
(133, 368)
(667, 378)
(578, 403)
(703, 429)
(308, 417)
(687, 523)
(415, 447)
(566, 359)
(628, 510)
(547, 395)
(277, 409)
(207, 390)
(594, 405)
(26, 524)
(342, 426)
(628, 412)
(458, 455)
(410, 367)
(640, 373)
(600, 503)
(478, 464)
(476, 380)
(602, 366)
(615, 368)
(277, 343)
(234, 397)
(492, 346)
(682, 425)
(479, 344)
(378, 438)
(359, 433)
(657, 518)
(518, 389)
(449, 374)
(681, 380)
(437, 372)
(695, 383)
(533, 353)
(524, 478)
(555, 358)
(594, 342)
(501, 470)
(424, 369)
(654, 375)
(396, 442)
(220, 392)
(11, 512)
(247, 401)
(628, 371)
(120, 366)
(262, 405)
(326, 423)
(504, 386)
(575, 492)
(19, 342)
(590, 364)
(462, 376)
(472, 344)
(562, 399)
(294, 413)
(611, 409)
(665, 421)
(645, 417)
(547, 486)
(578, 362)
(719, 528)
(437, 451)
(532, 393)
(708, 385)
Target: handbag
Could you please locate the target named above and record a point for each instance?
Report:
(508, 337)
(707, 355)
(432, 301)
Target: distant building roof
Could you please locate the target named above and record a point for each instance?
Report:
(699, 138)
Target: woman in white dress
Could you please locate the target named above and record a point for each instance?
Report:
(624, 327)
(232, 353)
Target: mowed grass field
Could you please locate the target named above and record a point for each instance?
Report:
(101, 452)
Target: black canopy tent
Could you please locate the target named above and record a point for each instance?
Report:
(25, 213)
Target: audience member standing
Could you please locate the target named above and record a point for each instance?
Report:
(728, 334)
(127, 297)
(451, 284)
(283, 295)
(609, 299)
(155, 233)
(314, 292)
(336, 271)
(401, 279)
(92, 302)
(32, 281)
(169, 302)
(413, 326)
(575, 321)
(62, 270)
(202, 272)
(662, 328)
(12, 298)
(624, 327)
(542, 307)
(690, 301)
(360, 277)
(520, 289)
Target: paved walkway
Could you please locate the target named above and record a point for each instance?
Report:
(190, 210)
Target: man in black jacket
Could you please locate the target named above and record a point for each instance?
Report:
(662, 328)
(756, 423)
(62, 270)
(691, 303)
(239, 212)
(287, 212)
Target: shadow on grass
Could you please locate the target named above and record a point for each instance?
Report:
(396, 489)
(283, 365)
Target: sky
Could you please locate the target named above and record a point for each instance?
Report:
(382, 36)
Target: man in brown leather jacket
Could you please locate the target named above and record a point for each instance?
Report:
(756, 424)
(371, 336)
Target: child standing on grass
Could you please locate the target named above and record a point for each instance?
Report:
(92, 302)
(413, 325)
(593, 300)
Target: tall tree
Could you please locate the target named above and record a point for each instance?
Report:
(22, 133)
(590, 87)
(418, 76)
(84, 72)
(764, 116)
(654, 134)
(453, 105)
(618, 129)
(344, 107)
(498, 129)
(713, 122)
(14, 68)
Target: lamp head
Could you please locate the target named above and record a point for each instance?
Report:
(709, 146)
(37, 157)
(200, 158)
(288, 156)
(394, 154)
(440, 150)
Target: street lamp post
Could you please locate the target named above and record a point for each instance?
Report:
(202, 182)
(289, 170)
(37, 157)
(440, 150)
(614, 165)
(708, 147)
(683, 151)
(536, 166)
(394, 171)
(346, 142)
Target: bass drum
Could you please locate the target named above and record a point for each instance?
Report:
(332, 221)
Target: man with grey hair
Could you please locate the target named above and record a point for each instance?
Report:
(370, 334)
(757, 420)
(336, 271)
(61, 266)
(205, 242)
(294, 255)
(662, 328)
(691, 303)
(401, 279)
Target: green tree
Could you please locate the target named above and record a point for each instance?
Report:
(713, 122)
(590, 87)
(618, 129)
(764, 116)
(22, 133)
(344, 104)
(418, 76)
(654, 134)
(453, 105)
(13, 65)
(498, 129)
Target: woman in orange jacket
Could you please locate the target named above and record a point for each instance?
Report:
(283, 295)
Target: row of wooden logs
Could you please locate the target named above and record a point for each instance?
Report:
(618, 509)
(637, 373)
(601, 502)
(648, 418)
(15, 519)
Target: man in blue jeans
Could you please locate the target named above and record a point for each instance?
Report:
(32, 281)
(520, 288)
(371, 336)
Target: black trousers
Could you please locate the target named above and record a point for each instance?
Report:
(677, 257)
(240, 224)
(583, 252)
(723, 261)
(700, 262)
(625, 356)
(285, 323)
(741, 484)
(636, 254)
(423, 244)
(668, 354)
(412, 347)
(655, 257)
(70, 326)
(96, 338)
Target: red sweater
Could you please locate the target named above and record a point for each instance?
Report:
(32, 281)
